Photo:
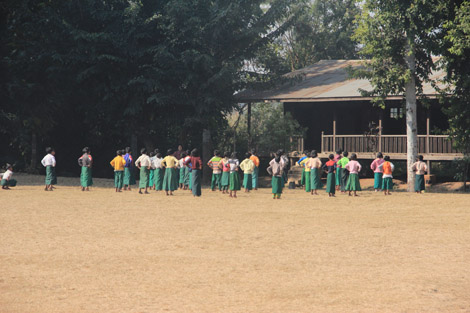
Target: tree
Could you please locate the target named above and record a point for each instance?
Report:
(456, 62)
(106, 72)
(272, 130)
(399, 38)
(322, 30)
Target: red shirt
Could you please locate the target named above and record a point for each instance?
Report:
(196, 163)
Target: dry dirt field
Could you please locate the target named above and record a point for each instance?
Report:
(98, 251)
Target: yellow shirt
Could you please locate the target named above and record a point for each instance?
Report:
(118, 163)
(170, 161)
(304, 162)
(247, 166)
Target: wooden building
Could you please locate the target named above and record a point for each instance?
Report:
(336, 115)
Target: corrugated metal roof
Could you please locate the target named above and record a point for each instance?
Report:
(326, 80)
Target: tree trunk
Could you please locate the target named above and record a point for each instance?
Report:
(135, 153)
(206, 155)
(411, 116)
(34, 152)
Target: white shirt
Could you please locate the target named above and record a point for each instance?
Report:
(143, 161)
(181, 163)
(157, 162)
(234, 163)
(152, 162)
(7, 175)
(48, 160)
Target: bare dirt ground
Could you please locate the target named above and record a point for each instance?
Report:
(98, 251)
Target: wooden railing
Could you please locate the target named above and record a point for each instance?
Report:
(427, 144)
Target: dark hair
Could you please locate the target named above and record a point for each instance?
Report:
(277, 158)
(353, 156)
(169, 151)
(156, 151)
(128, 150)
(345, 153)
(247, 155)
(195, 153)
(158, 155)
(184, 154)
(234, 155)
(314, 154)
(152, 154)
(380, 155)
(306, 152)
(8, 166)
(281, 151)
(420, 157)
(216, 152)
(339, 151)
(86, 150)
(143, 151)
(49, 150)
(119, 152)
(226, 154)
(387, 158)
(331, 157)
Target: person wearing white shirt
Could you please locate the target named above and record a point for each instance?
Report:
(49, 163)
(144, 164)
(152, 158)
(7, 181)
(159, 171)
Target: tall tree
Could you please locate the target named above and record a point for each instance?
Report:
(160, 70)
(456, 61)
(456, 96)
(399, 38)
(322, 30)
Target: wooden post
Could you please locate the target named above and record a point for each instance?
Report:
(248, 123)
(334, 131)
(380, 131)
(428, 116)
(427, 131)
(321, 148)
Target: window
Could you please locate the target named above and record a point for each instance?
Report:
(396, 113)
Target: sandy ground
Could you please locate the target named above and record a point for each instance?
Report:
(98, 251)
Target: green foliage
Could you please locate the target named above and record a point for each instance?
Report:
(456, 61)
(462, 166)
(271, 130)
(387, 32)
(94, 73)
(320, 30)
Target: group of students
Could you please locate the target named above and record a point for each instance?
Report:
(343, 173)
(225, 172)
(175, 170)
(183, 169)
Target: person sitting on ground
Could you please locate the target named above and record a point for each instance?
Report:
(7, 181)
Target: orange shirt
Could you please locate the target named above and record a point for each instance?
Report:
(387, 167)
(255, 160)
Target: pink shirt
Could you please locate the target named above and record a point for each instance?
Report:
(375, 166)
(353, 167)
